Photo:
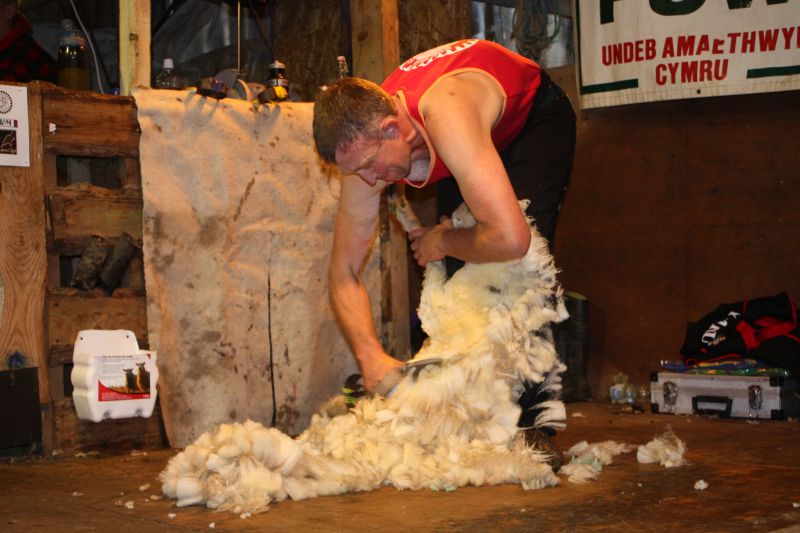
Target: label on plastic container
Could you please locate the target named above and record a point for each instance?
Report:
(122, 377)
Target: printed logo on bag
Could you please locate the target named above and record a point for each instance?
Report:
(426, 58)
(712, 336)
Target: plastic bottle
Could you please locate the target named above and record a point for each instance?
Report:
(168, 77)
(341, 68)
(112, 377)
(73, 63)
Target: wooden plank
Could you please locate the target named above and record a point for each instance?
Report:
(48, 425)
(395, 327)
(82, 123)
(60, 355)
(376, 52)
(80, 210)
(134, 44)
(132, 177)
(75, 435)
(23, 259)
(71, 311)
(72, 247)
(376, 47)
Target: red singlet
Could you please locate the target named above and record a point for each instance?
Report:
(517, 76)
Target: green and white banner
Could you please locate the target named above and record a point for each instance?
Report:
(633, 51)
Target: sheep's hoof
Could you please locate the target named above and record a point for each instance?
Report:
(541, 441)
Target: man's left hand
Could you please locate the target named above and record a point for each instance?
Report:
(428, 243)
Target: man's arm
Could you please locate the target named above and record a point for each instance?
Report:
(459, 113)
(354, 231)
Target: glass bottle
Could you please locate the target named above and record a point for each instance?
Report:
(341, 68)
(168, 78)
(73, 63)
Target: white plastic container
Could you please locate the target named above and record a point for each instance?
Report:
(112, 377)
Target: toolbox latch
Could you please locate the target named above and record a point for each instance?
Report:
(670, 395)
(755, 398)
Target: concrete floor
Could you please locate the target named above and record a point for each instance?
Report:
(753, 473)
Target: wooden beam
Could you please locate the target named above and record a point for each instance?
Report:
(23, 264)
(23, 260)
(376, 46)
(134, 45)
(376, 53)
(83, 123)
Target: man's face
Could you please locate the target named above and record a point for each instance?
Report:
(372, 160)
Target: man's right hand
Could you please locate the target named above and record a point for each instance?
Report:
(375, 368)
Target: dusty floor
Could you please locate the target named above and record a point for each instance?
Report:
(752, 471)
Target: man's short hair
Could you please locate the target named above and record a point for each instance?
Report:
(349, 109)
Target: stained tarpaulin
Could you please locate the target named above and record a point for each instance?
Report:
(238, 224)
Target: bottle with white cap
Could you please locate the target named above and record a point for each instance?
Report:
(341, 68)
(168, 78)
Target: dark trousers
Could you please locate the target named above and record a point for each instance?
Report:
(538, 163)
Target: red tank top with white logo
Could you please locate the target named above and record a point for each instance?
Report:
(516, 75)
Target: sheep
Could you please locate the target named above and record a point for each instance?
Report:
(444, 427)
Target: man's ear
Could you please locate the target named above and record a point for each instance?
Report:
(390, 128)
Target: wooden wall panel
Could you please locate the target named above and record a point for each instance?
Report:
(76, 435)
(307, 41)
(82, 123)
(23, 257)
(425, 24)
(308, 33)
(71, 311)
(674, 208)
(81, 210)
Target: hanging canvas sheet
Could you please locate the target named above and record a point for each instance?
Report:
(643, 51)
(238, 225)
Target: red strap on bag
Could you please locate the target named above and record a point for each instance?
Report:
(768, 328)
(749, 336)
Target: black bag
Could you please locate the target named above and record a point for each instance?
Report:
(765, 329)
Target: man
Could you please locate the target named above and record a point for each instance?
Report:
(472, 110)
(21, 57)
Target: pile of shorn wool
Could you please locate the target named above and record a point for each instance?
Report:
(446, 427)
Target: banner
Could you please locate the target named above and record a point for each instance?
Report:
(633, 51)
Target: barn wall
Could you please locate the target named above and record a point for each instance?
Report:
(307, 41)
(307, 36)
(673, 208)
(425, 24)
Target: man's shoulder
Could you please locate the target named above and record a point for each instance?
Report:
(467, 85)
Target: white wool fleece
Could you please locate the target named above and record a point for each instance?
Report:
(449, 426)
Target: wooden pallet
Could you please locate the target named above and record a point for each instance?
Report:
(83, 181)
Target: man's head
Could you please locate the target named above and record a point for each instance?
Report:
(348, 110)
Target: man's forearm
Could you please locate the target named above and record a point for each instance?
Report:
(351, 304)
(480, 245)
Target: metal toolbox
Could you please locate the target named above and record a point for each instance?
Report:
(770, 397)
